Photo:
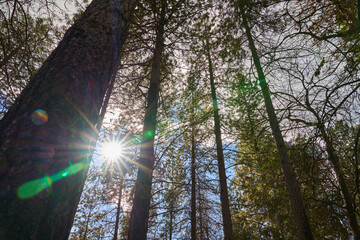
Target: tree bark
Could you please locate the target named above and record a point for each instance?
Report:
(224, 197)
(53, 154)
(297, 205)
(141, 204)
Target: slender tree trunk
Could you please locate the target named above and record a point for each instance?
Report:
(335, 160)
(171, 218)
(105, 103)
(118, 208)
(192, 89)
(201, 220)
(224, 197)
(349, 207)
(87, 225)
(171, 209)
(356, 156)
(141, 204)
(193, 186)
(358, 8)
(297, 205)
(49, 150)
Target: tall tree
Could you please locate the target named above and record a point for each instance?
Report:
(342, 84)
(45, 136)
(141, 203)
(338, 168)
(224, 196)
(192, 88)
(297, 205)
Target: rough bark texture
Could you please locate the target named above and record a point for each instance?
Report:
(224, 197)
(141, 204)
(70, 87)
(297, 205)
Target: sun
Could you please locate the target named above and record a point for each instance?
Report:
(111, 150)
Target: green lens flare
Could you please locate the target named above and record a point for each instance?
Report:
(36, 186)
(150, 133)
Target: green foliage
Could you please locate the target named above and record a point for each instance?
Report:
(25, 42)
(88, 222)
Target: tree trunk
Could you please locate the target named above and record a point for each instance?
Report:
(224, 197)
(171, 214)
(297, 205)
(141, 204)
(87, 225)
(44, 154)
(192, 89)
(349, 207)
(358, 8)
(201, 219)
(105, 103)
(193, 186)
(118, 208)
(335, 161)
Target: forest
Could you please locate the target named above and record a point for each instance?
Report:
(179, 119)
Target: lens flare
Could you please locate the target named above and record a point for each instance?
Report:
(111, 150)
(31, 188)
(39, 117)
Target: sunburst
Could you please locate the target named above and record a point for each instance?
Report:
(117, 151)
(112, 150)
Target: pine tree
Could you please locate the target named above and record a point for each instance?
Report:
(46, 134)
(141, 203)
(289, 173)
(225, 206)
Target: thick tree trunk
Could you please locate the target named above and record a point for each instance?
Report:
(52, 153)
(118, 208)
(224, 197)
(141, 204)
(297, 205)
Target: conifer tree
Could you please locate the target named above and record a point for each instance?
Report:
(46, 135)
(289, 173)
